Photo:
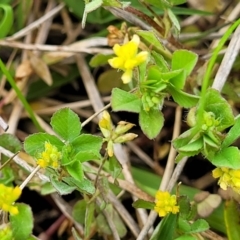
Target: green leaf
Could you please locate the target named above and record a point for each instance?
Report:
(211, 141)
(160, 61)
(10, 142)
(192, 146)
(125, 101)
(142, 72)
(184, 59)
(143, 204)
(102, 224)
(166, 228)
(22, 223)
(6, 21)
(99, 16)
(66, 123)
(89, 218)
(61, 187)
(120, 226)
(79, 211)
(185, 237)
(87, 143)
(22, 12)
(216, 104)
(89, 7)
(151, 122)
(200, 225)
(184, 225)
(227, 157)
(181, 155)
(182, 98)
(193, 212)
(8, 175)
(174, 20)
(75, 170)
(154, 73)
(184, 206)
(105, 81)
(99, 59)
(115, 167)
(170, 74)
(186, 137)
(84, 186)
(178, 82)
(233, 133)
(151, 39)
(231, 219)
(34, 143)
(82, 156)
(85, 156)
(47, 188)
(6, 1)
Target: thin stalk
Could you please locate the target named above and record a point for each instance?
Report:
(27, 180)
(9, 160)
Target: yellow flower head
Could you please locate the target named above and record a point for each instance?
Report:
(165, 203)
(228, 178)
(128, 58)
(50, 157)
(8, 195)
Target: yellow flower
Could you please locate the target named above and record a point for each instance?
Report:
(165, 203)
(8, 195)
(106, 125)
(228, 178)
(128, 58)
(50, 157)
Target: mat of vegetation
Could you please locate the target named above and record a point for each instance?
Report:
(119, 120)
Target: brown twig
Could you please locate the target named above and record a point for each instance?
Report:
(84, 46)
(23, 32)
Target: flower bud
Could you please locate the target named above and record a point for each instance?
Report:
(110, 148)
(105, 124)
(123, 127)
(155, 100)
(125, 138)
(191, 118)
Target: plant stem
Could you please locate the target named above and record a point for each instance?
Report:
(27, 180)
(100, 168)
(9, 160)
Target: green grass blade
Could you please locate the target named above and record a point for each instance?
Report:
(20, 95)
(7, 20)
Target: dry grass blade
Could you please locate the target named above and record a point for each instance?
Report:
(23, 32)
(3, 124)
(41, 69)
(228, 61)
